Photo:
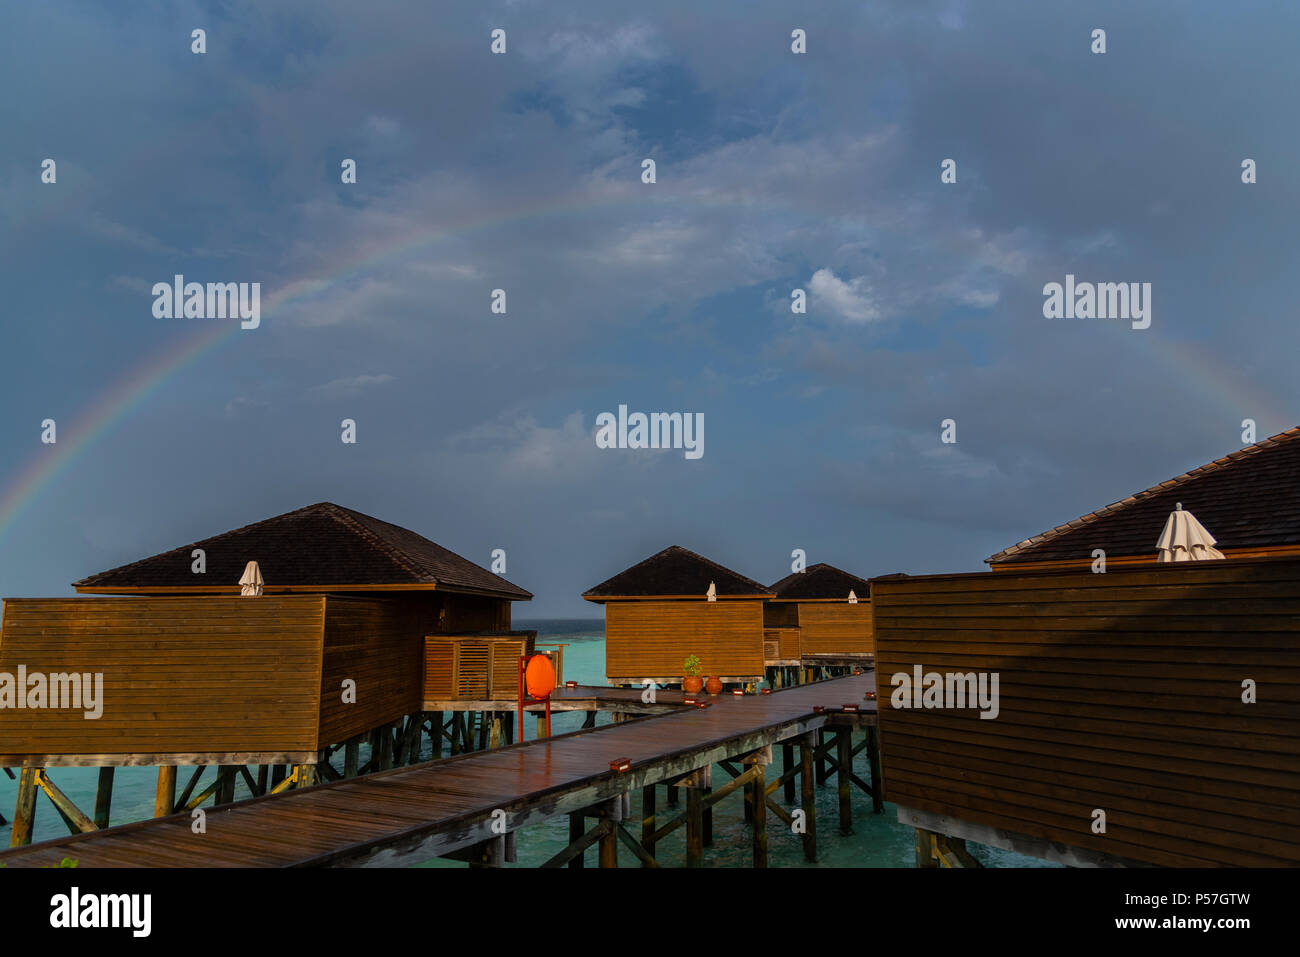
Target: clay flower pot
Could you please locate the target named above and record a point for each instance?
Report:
(692, 684)
(713, 685)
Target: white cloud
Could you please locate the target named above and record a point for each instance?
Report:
(851, 301)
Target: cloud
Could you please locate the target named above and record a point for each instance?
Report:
(851, 301)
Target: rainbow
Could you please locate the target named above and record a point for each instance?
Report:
(1195, 366)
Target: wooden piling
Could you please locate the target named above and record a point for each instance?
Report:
(104, 796)
(759, 790)
(648, 796)
(873, 757)
(608, 850)
(843, 777)
(164, 801)
(807, 747)
(436, 728)
(787, 762)
(25, 810)
(694, 827)
(351, 757)
(577, 828)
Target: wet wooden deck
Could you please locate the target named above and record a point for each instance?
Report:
(410, 814)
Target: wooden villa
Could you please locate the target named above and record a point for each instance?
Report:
(362, 628)
(1146, 714)
(819, 616)
(658, 613)
(1249, 500)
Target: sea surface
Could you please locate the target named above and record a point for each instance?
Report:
(878, 840)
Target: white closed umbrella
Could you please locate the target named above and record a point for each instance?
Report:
(1185, 539)
(712, 593)
(853, 597)
(250, 583)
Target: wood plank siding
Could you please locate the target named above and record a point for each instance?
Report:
(181, 675)
(835, 628)
(474, 667)
(654, 638)
(1119, 691)
(376, 643)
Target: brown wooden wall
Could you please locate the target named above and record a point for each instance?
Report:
(652, 639)
(835, 628)
(781, 644)
(378, 643)
(1120, 691)
(181, 675)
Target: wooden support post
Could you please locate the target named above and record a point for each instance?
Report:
(541, 725)
(608, 851)
(759, 789)
(807, 747)
(436, 726)
(925, 856)
(672, 796)
(225, 792)
(590, 720)
(164, 801)
(877, 783)
(844, 777)
(104, 796)
(577, 827)
(694, 828)
(482, 730)
(708, 819)
(512, 840)
(385, 748)
(787, 762)
(25, 810)
(489, 853)
(648, 795)
(495, 735)
(263, 775)
(820, 757)
(351, 757)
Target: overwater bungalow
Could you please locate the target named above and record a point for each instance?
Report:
(1144, 710)
(1249, 500)
(821, 615)
(676, 604)
(357, 625)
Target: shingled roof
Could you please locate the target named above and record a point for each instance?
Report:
(675, 571)
(821, 582)
(1248, 499)
(322, 545)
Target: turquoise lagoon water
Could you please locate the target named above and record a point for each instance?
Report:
(878, 840)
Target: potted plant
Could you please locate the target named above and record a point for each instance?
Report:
(713, 685)
(692, 683)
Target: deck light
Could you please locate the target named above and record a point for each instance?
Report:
(689, 699)
(869, 696)
(819, 709)
(738, 691)
(850, 707)
(767, 691)
(620, 765)
(571, 684)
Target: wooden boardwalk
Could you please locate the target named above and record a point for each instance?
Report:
(407, 815)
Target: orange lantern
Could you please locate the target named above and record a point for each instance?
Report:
(539, 676)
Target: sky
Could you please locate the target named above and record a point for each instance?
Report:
(522, 171)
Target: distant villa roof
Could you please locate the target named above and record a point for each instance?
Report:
(821, 582)
(1249, 499)
(676, 571)
(321, 546)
